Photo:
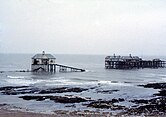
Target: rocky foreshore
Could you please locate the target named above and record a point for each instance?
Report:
(59, 99)
(151, 107)
(148, 107)
(16, 90)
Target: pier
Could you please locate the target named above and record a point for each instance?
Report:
(130, 62)
(46, 62)
(56, 68)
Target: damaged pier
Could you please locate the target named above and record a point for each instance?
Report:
(130, 62)
(46, 62)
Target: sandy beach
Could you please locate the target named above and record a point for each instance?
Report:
(17, 113)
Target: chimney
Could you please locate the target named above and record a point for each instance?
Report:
(130, 55)
(43, 53)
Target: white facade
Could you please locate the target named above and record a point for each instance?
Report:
(42, 62)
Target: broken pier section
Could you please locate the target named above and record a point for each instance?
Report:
(130, 62)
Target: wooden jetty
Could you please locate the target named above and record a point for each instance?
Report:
(46, 62)
(130, 62)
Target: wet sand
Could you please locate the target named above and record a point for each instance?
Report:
(16, 113)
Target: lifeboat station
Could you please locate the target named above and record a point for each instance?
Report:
(47, 62)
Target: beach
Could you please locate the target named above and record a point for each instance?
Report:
(152, 107)
(12, 113)
(17, 113)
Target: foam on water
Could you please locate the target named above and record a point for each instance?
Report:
(162, 75)
(16, 77)
(20, 82)
(85, 83)
(115, 83)
(63, 80)
(149, 75)
(164, 79)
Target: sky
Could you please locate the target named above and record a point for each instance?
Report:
(122, 27)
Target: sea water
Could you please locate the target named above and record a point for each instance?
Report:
(96, 79)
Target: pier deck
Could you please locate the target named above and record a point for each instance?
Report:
(130, 62)
(56, 68)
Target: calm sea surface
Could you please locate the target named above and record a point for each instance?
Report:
(96, 75)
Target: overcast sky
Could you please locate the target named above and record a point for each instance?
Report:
(83, 26)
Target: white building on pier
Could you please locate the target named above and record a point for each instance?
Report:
(42, 62)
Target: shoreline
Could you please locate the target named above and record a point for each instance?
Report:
(155, 106)
(18, 113)
(59, 113)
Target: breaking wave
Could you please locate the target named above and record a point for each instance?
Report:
(16, 77)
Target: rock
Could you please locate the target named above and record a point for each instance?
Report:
(140, 101)
(37, 98)
(107, 91)
(152, 107)
(62, 90)
(107, 104)
(155, 85)
(73, 106)
(11, 90)
(161, 93)
(3, 105)
(67, 99)
(121, 100)
(60, 99)
(11, 87)
(18, 90)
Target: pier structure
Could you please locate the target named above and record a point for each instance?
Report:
(46, 62)
(130, 62)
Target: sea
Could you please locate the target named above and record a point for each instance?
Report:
(96, 79)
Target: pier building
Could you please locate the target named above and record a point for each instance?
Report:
(130, 62)
(46, 62)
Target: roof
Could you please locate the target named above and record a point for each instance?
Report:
(43, 56)
(130, 57)
(122, 58)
